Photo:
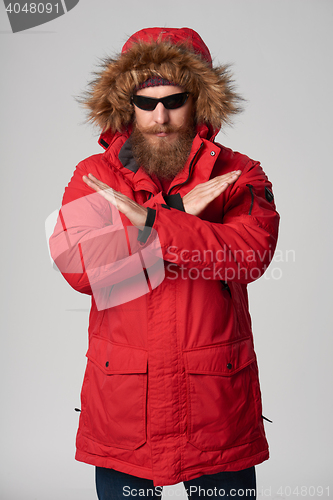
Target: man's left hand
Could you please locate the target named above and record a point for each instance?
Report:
(136, 213)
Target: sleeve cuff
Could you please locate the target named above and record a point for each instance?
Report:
(174, 201)
(144, 235)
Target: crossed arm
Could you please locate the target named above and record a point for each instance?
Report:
(194, 202)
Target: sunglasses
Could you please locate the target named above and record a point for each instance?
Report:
(173, 101)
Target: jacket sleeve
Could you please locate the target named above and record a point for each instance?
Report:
(240, 247)
(92, 246)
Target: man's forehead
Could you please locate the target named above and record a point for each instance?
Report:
(160, 91)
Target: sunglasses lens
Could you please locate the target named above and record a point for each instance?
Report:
(173, 101)
(145, 103)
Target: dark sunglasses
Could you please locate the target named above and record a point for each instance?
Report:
(173, 101)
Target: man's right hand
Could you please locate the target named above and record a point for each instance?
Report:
(197, 200)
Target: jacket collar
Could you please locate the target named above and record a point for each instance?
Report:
(118, 153)
(107, 138)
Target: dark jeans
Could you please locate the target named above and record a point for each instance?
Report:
(114, 485)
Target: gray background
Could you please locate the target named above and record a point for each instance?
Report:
(282, 61)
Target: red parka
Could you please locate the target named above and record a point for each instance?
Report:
(171, 388)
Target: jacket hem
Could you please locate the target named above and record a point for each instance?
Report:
(234, 465)
(112, 463)
(185, 475)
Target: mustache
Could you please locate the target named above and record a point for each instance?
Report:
(157, 129)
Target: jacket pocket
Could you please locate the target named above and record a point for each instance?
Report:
(114, 394)
(223, 395)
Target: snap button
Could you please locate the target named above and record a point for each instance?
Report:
(107, 364)
(229, 366)
(212, 153)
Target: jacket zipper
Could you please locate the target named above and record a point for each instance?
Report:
(226, 287)
(252, 197)
(189, 170)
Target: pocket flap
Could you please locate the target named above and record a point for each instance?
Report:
(220, 359)
(116, 358)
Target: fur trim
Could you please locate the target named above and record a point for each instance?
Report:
(108, 98)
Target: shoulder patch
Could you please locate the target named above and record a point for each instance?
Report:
(269, 195)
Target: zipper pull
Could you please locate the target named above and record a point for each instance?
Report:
(271, 421)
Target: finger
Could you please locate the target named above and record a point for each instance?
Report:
(90, 183)
(217, 182)
(218, 189)
(225, 180)
(93, 185)
(230, 175)
(220, 179)
(106, 192)
(93, 178)
(99, 183)
(208, 197)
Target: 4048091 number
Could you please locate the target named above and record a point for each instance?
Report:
(303, 491)
(32, 8)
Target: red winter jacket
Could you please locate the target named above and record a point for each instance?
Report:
(171, 388)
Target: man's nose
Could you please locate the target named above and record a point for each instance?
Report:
(161, 115)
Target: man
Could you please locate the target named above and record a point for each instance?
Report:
(171, 389)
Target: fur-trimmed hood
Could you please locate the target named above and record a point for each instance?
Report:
(176, 54)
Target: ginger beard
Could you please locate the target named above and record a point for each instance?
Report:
(160, 157)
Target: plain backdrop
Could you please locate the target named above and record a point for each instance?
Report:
(281, 52)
